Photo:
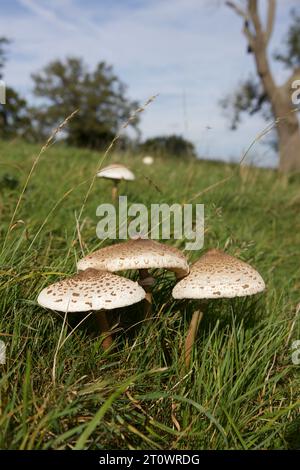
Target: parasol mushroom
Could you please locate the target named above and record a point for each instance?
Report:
(92, 290)
(116, 172)
(148, 160)
(142, 254)
(215, 275)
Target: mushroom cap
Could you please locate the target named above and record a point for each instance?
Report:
(91, 290)
(116, 171)
(136, 254)
(216, 275)
(148, 160)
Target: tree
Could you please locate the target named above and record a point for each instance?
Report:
(263, 94)
(172, 145)
(14, 119)
(99, 96)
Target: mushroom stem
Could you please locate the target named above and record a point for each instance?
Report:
(104, 329)
(179, 275)
(147, 286)
(190, 337)
(114, 192)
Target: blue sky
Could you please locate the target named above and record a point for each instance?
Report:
(190, 52)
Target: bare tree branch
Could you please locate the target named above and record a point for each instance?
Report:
(253, 13)
(246, 30)
(270, 20)
(237, 9)
(249, 35)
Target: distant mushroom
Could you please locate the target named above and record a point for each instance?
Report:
(148, 160)
(116, 172)
(215, 275)
(141, 254)
(92, 290)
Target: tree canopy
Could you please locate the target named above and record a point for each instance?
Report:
(290, 55)
(172, 145)
(14, 118)
(99, 96)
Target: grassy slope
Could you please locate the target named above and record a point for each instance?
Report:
(242, 391)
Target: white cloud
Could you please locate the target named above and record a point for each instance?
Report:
(45, 14)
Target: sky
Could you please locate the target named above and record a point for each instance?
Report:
(190, 52)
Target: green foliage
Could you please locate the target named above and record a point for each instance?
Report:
(172, 145)
(249, 97)
(242, 391)
(291, 55)
(63, 87)
(14, 119)
(99, 96)
(8, 181)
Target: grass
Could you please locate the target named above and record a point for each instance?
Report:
(242, 391)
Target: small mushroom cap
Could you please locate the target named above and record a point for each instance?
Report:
(91, 290)
(148, 160)
(216, 275)
(116, 171)
(136, 254)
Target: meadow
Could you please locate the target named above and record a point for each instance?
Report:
(242, 391)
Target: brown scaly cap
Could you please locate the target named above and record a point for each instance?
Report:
(216, 275)
(91, 290)
(136, 254)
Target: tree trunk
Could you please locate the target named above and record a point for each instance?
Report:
(289, 145)
(287, 124)
(288, 131)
